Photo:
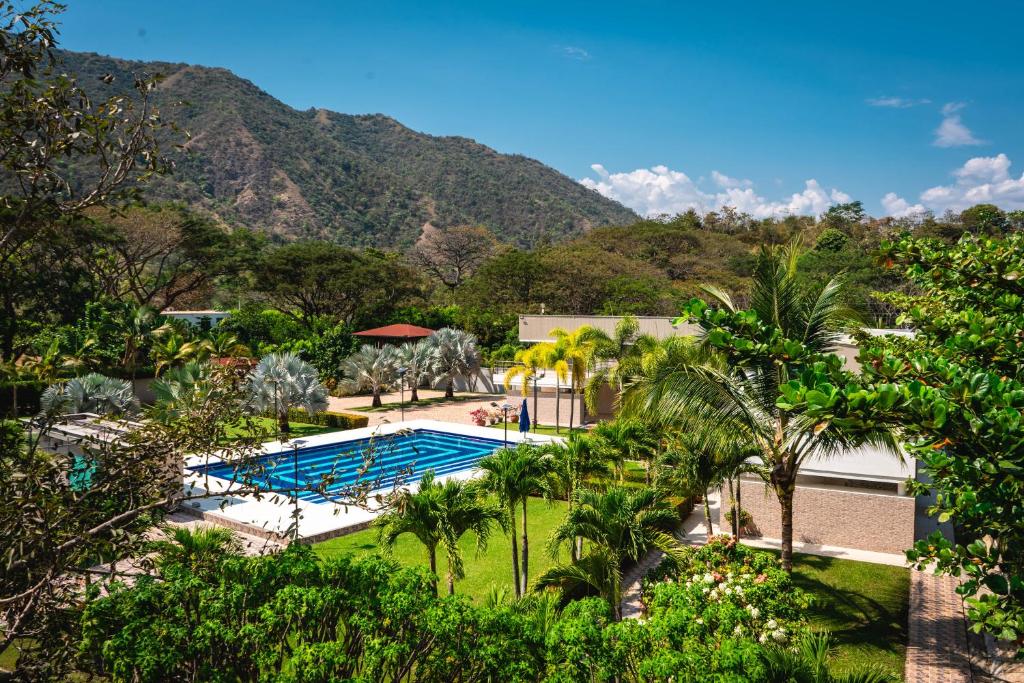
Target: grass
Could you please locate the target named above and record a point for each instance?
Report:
(863, 605)
(266, 427)
(547, 430)
(492, 566)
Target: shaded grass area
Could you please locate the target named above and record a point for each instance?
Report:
(266, 428)
(490, 567)
(863, 605)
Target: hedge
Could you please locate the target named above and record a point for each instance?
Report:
(329, 419)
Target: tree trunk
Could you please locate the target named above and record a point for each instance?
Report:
(558, 403)
(732, 508)
(376, 403)
(534, 425)
(14, 399)
(282, 422)
(451, 583)
(525, 573)
(707, 517)
(432, 552)
(415, 396)
(515, 550)
(572, 404)
(786, 501)
(449, 391)
(739, 507)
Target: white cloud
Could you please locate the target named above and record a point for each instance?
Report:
(980, 180)
(660, 190)
(899, 207)
(896, 102)
(952, 132)
(577, 53)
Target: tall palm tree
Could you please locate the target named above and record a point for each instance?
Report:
(438, 515)
(455, 355)
(136, 327)
(92, 393)
(623, 351)
(418, 360)
(224, 344)
(530, 365)
(578, 352)
(556, 359)
(571, 464)
(711, 396)
(513, 475)
(619, 523)
(373, 368)
(170, 349)
(281, 381)
(629, 439)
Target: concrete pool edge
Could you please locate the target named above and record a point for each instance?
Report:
(318, 521)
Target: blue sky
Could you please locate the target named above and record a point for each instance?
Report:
(772, 107)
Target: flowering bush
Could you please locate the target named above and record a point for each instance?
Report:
(724, 591)
(479, 416)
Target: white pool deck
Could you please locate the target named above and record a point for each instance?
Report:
(271, 515)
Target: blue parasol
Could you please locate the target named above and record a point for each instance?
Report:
(524, 418)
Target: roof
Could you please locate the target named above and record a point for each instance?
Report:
(398, 331)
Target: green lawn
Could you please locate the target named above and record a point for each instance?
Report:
(863, 605)
(493, 566)
(266, 428)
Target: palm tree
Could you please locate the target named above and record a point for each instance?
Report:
(578, 352)
(282, 381)
(180, 391)
(455, 355)
(371, 367)
(555, 358)
(808, 663)
(418, 360)
(198, 551)
(224, 344)
(439, 514)
(530, 368)
(623, 351)
(619, 523)
(707, 395)
(513, 475)
(628, 439)
(136, 327)
(171, 348)
(571, 464)
(92, 393)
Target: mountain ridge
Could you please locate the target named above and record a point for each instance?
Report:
(356, 179)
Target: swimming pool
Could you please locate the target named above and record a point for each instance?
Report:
(407, 454)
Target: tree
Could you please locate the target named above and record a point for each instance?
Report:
(530, 365)
(578, 351)
(371, 367)
(170, 348)
(181, 391)
(621, 352)
(628, 439)
(984, 219)
(418, 360)
(619, 523)
(784, 339)
(136, 327)
(453, 254)
(198, 551)
(92, 393)
(455, 355)
(555, 359)
(513, 475)
(281, 381)
(572, 464)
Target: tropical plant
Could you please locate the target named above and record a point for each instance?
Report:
(92, 393)
(619, 523)
(513, 475)
(372, 368)
(808, 662)
(572, 463)
(417, 359)
(224, 344)
(529, 368)
(438, 514)
(622, 353)
(180, 391)
(136, 327)
(198, 551)
(628, 439)
(764, 354)
(281, 381)
(577, 350)
(455, 355)
(555, 358)
(170, 348)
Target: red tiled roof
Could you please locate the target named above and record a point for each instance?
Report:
(399, 331)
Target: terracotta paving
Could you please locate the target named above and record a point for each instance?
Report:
(937, 646)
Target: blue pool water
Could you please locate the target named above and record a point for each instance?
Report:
(408, 455)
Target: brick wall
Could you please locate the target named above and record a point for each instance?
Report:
(832, 516)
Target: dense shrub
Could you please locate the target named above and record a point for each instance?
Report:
(329, 418)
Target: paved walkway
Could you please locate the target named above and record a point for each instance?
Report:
(937, 645)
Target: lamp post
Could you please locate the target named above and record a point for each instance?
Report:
(504, 408)
(401, 384)
(536, 378)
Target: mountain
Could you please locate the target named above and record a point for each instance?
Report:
(357, 180)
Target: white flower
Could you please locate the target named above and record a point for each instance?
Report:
(779, 636)
(708, 578)
(738, 630)
(706, 590)
(728, 591)
(754, 612)
(763, 639)
(772, 625)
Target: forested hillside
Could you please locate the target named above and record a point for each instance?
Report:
(368, 180)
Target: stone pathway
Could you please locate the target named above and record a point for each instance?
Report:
(632, 607)
(937, 645)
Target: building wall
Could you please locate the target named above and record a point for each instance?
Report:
(832, 516)
(537, 328)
